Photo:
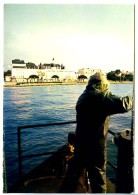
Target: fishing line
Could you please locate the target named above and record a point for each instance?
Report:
(128, 92)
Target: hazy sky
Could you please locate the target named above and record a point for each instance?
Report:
(77, 35)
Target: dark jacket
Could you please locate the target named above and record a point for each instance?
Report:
(93, 108)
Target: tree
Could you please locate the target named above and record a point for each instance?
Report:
(55, 77)
(6, 73)
(129, 77)
(82, 77)
(33, 76)
(112, 76)
(117, 71)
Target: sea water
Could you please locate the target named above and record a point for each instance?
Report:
(48, 104)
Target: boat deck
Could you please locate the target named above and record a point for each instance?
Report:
(52, 185)
(48, 176)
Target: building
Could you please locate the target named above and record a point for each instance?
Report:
(21, 71)
(89, 72)
(8, 78)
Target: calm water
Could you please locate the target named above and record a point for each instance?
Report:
(48, 104)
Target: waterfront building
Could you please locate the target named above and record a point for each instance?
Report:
(89, 71)
(8, 78)
(22, 71)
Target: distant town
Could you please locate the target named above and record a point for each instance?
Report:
(22, 72)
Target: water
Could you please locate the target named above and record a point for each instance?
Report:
(48, 104)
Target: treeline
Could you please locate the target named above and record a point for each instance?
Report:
(117, 75)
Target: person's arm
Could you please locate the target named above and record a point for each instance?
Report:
(114, 104)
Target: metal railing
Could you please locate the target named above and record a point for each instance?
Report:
(20, 156)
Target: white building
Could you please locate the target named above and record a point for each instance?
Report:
(18, 69)
(8, 78)
(89, 72)
(21, 71)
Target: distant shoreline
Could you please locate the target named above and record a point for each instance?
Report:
(11, 84)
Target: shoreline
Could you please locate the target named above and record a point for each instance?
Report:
(11, 84)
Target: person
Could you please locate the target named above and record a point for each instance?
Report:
(93, 108)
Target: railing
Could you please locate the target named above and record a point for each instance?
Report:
(121, 148)
(20, 156)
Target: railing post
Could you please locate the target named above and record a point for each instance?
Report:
(19, 154)
(5, 189)
(124, 162)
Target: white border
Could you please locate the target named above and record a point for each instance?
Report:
(136, 104)
(1, 97)
(68, 2)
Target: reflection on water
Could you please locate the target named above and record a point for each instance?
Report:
(58, 107)
(21, 102)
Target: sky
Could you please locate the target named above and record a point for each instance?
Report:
(75, 35)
